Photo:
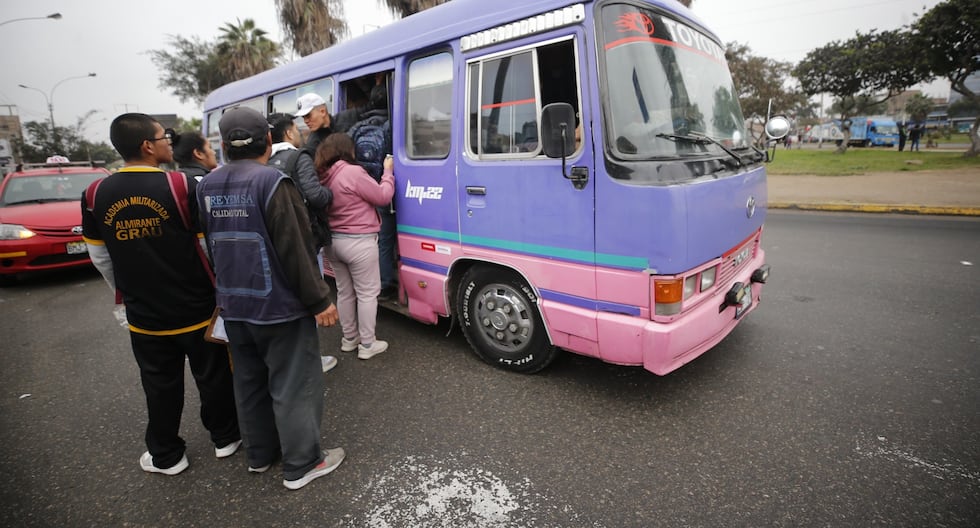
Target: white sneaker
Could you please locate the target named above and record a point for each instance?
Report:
(368, 352)
(260, 469)
(331, 459)
(349, 345)
(228, 450)
(328, 362)
(146, 462)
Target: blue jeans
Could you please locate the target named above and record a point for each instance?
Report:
(387, 238)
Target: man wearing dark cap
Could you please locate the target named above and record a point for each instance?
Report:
(272, 297)
(136, 237)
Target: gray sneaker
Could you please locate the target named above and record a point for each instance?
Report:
(368, 352)
(331, 459)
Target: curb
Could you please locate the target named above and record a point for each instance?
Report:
(879, 208)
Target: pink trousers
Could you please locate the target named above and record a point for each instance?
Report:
(355, 264)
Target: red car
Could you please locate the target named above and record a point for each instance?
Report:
(41, 218)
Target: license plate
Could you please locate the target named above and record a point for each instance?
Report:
(75, 248)
(745, 303)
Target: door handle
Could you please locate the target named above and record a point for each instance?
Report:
(476, 191)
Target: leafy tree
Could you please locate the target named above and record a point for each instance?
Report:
(188, 125)
(864, 71)
(38, 143)
(404, 8)
(190, 72)
(244, 50)
(918, 107)
(759, 80)
(194, 68)
(948, 37)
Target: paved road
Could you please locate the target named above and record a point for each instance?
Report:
(849, 398)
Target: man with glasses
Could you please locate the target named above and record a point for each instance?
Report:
(138, 240)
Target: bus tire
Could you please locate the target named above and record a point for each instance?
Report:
(499, 315)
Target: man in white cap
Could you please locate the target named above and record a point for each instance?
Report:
(272, 299)
(313, 109)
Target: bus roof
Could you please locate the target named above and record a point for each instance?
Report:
(445, 23)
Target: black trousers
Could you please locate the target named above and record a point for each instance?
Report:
(161, 363)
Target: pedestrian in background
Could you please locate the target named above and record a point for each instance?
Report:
(136, 238)
(902, 136)
(194, 155)
(286, 143)
(354, 251)
(272, 299)
(915, 134)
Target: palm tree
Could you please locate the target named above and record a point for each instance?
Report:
(311, 25)
(404, 8)
(244, 50)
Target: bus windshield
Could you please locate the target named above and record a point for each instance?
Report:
(667, 88)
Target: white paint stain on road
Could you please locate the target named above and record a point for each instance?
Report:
(882, 449)
(447, 494)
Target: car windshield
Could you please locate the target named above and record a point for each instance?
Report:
(667, 83)
(48, 187)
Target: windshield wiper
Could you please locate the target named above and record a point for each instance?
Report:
(701, 139)
(40, 200)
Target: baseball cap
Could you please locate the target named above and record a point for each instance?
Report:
(241, 126)
(308, 102)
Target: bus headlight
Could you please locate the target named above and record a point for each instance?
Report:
(708, 279)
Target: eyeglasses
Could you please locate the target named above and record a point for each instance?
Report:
(168, 134)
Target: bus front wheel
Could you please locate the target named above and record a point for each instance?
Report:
(500, 319)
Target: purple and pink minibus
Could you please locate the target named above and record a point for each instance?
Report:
(571, 175)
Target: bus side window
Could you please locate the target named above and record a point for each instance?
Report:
(429, 110)
(503, 100)
(558, 80)
(507, 93)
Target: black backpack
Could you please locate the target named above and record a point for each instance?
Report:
(286, 161)
(372, 141)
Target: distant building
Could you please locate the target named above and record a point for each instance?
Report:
(972, 83)
(10, 134)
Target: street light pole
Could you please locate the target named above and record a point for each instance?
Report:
(52, 16)
(49, 98)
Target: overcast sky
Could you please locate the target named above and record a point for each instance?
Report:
(111, 38)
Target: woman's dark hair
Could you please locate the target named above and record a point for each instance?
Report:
(334, 148)
(128, 132)
(185, 144)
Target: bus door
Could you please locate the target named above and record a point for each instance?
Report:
(515, 203)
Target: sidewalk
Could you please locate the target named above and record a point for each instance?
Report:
(923, 192)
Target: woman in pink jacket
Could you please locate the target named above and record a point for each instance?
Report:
(353, 253)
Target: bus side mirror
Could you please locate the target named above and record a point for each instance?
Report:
(777, 127)
(558, 130)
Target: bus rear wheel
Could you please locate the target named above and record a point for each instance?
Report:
(500, 319)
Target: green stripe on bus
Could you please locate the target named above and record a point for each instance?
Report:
(587, 257)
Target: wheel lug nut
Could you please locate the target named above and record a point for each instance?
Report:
(512, 327)
(500, 336)
(486, 322)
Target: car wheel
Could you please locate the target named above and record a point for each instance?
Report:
(499, 315)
